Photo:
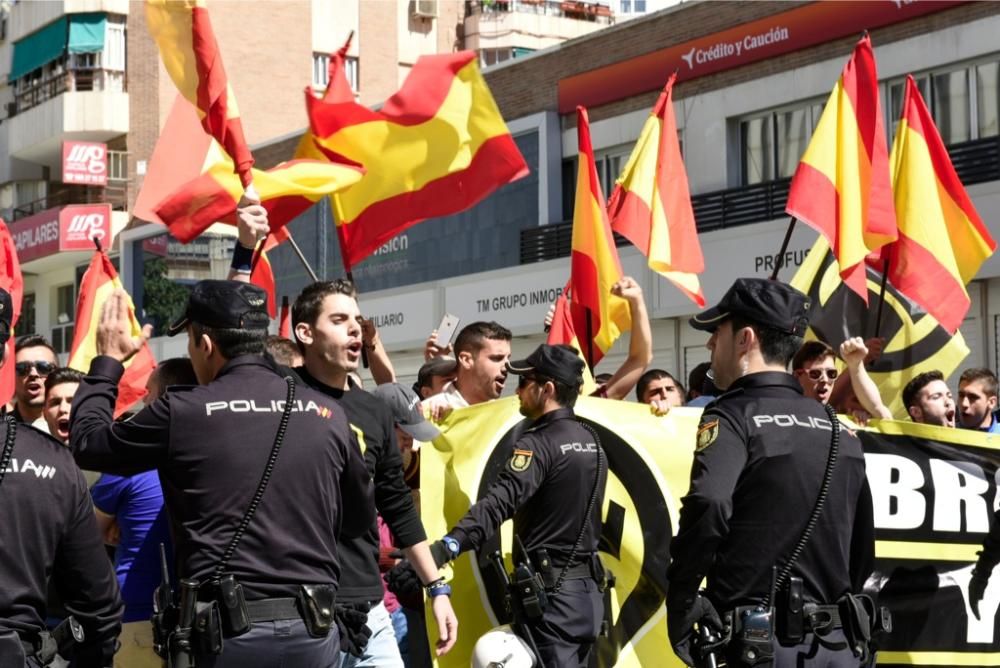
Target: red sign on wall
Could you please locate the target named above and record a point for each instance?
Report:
(85, 163)
(36, 236)
(81, 224)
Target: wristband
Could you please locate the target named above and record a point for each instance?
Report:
(242, 258)
(439, 588)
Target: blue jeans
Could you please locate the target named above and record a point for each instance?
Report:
(399, 627)
(381, 651)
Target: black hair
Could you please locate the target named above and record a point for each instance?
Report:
(696, 380)
(33, 341)
(473, 336)
(309, 304)
(811, 350)
(62, 375)
(175, 371)
(917, 383)
(233, 342)
(651, 375)
(284, 351)
(988, 378)
(776, 346)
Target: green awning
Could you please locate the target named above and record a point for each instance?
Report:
(86, 32)
(39, 48)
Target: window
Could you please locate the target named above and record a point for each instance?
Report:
(640, 6)
(489, 57)
(988, 99)
(626, 6)
(62, 334)
(118, 165)
(114, 46)
(321, 71)
(26, 323)
(771, 143)
(26, 192)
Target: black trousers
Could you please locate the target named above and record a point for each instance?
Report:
(569, 626)
(830, 651)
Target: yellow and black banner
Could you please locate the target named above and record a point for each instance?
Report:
(934, 492)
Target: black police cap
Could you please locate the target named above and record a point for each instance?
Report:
(762, 301)
(561, 363)
(6, 315)
(224, 305)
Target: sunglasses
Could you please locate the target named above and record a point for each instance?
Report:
(42, 367)
(522, 381)
(816, 374)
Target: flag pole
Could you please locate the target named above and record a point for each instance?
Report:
(780, 257)
(302, 258)
(881, 296)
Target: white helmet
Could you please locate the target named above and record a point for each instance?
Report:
(502, 648)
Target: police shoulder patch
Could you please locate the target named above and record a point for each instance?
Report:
(707, 433)
(521, 460)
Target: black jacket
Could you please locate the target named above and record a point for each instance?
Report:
(211, 444)
(545, 487)
(49, 530)
(760, 456)
(373, 424)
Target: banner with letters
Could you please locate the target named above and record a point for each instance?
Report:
(934, 492)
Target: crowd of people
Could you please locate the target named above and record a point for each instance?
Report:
(263, 507)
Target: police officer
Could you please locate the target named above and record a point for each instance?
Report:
(762, 455)
(48, 530)
(553, 487)
(256, 494)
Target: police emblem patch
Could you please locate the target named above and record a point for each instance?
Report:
(521, 460)
(707, 433)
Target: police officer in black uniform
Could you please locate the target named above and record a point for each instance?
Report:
(231, 466)
(48, 530)
(762, 455)
(553, 487)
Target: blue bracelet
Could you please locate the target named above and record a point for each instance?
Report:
(438, 589)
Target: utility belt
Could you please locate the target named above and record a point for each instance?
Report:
(584, 566)
(205, 615)
(46, 645)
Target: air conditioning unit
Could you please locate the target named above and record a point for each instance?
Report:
(425, 9)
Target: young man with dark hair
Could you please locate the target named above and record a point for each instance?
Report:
(60, 386)
(482, 350)
(928, 400)
(34, 359)
(977, 400)
(814, 367)
(548, 488)
(327, 324)
(760, 455)
(212, 453)
(434, 375)
(659, 386)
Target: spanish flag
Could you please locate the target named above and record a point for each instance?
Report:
(942, 240)
(435, 148)
(651, 204)
(184, 36)
(262, 274)
(11, 281)
(99, 282)
(599, 317)
(915, 341)
(212, 194)
(841, 186)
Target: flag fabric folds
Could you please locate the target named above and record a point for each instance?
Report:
(435, 148)
(98, 284)
(11, 281)
(942, 240)
(915, 341)
(190, 53)
(262, 274)
(841, 186)
(599, 317)
(651, 203)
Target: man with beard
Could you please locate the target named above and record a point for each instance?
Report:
(34, 359)
(553, 487)
(482, 350)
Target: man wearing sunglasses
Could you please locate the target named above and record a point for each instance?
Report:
(34, 359)
(815, 370)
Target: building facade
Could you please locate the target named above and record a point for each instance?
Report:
(752, 79)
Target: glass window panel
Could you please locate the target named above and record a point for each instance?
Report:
(640, 6)
(626, 6)
(757, 145)
(793, 136)
(951, 106)
(988, 99)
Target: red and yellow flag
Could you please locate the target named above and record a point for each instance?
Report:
(435, 148)
(11, 281)
(214, 191)
(184, 36)
(99, 282)
(262, 274)
(942, 240)
(651, 204)
(599, 317)
(841, 186)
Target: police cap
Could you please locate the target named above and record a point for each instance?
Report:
(6, 315)
(561, 363)
(224, 305)
(759, 300)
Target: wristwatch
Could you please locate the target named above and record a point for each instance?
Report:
(453, 547)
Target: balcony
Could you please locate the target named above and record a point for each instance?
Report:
(530, 24)
(976, 161)
(27, 17)
(83, 104)
(115, 195)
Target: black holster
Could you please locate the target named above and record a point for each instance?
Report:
(316, 605)
(232, 607)
(528, 592)
(752, 634)
(862, 620)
